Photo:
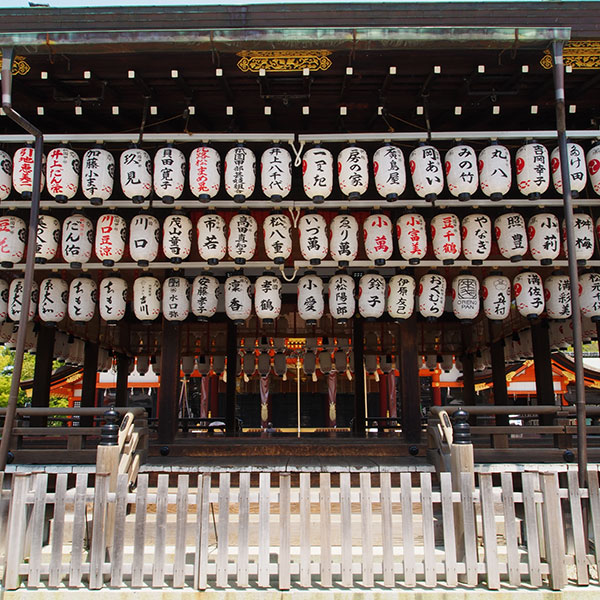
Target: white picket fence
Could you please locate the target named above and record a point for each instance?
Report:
(294, 531)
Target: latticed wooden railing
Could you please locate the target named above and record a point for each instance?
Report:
(298, 530)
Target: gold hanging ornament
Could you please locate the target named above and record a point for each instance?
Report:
(577, 55)
(283, 60)
(20, 65)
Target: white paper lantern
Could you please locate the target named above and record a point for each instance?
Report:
(465, 297)
(97, 175)
(240, 173)
(54, 294)
(371, 296)
(238, 299)
(15, 299)
(146, 298)
(205, 296)
(432, 295)
(495, 174)
(511, 236)
(529, 294)
(317, 174)
(353, 171)
(462, 177)
(136, 174)
(83, 297)
(144, 238)
(589, 295)
(177, 237)
(312, 232)
(557, 294)
(77, 240)
(6, 169)
(169, 174)
(13, 235)
(276, 173)
(205, 173)
(427, 172)
(3, 300)
(583, 227)
(593, 166)
(30, 338)
(377, 232)
(495, 290)
(589, 329)
(401, 297)
(577, 169)
(111, 235)
(212, 237)
(342, 304)
(343, 239)
(241, 243)
(389, 171)
(277, 234)
(412, 237)
(112, 300)
(46, 239)
(476, 232)
(22, 175)
(63, 168)
(446, 237)
(311, 304)
(533, 170)
(543, 233)
(176, 299)
(267, 297)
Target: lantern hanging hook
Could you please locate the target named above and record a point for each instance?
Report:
(282, 269)
(297, 153)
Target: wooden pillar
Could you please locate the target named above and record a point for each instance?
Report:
(542, 362)
(170, 370)
(469, 397)
(122, 376)
(498, 369)
(410, 388)
(359, 376)
(88, 385)
(232, 354)
(44, 357)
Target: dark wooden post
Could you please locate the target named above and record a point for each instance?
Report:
(467, 365)
(410, 388)
(88, 385)
(44, 358)
(498, 369)
(122, 376)
(168, 393)
(359, 376)
(542, 362)
(232, 354)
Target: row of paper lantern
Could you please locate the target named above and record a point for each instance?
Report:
(464, 172)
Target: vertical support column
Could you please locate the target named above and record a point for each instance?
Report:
(359, 375)
(170, 369)
(122, 376)
(44, 357)
(232, 354)
(88, 385)
(410, 388)
(467, 366)
(498, 370)
(542, 362)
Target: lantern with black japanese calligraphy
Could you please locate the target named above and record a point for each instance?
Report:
(311, 304)
(412, 237)
(343, 239)
(389, 172)
(46, 239)
(276, 173)
(353, 171)
(77, 240)
(144, 238)
(83, 296)
(97, 175)
(377, 232)
(533, 170)
(176, 299)
(432, 295)
(112, 300)
(557, 293)
(577, 169)
(589, 295)
(241, 243)
(54, 294)
(169, 174)
(6, 169)
(205, 296)
(317, 174)
(111, 235)
(205, 173)
(495, 174)
(62, 173)
(529, 294)
(593, 166)
(465, 297)
(312, 231)
(342, 304)
(177, 237)
(240, 173)
(446, 237)
(136, 174)
(15, 299)
(583, 228)
(462, 177)
(212, 237)
(371, 296)
(277, 233)
(543, 232)
(22, 174)
(511, 235)
(3, 300)
(13, 234)
(496, 294)
(401, 297)
(426, 171)
(238, 299)
(267, 297)
(476, 231)
(146, 298)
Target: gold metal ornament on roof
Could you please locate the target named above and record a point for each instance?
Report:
(283, 60)
(577, 55)
(20, 65)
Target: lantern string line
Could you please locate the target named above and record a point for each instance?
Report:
(282, 269)
(297, 153)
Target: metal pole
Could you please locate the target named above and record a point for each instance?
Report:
(7, 61)
(559, 89)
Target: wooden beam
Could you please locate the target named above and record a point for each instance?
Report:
(44, 358)
(122, 376)
(359, 376)
(410, 387)
(232, 354)
(168, 394)
(542, 362)
(88, 385)
(498, 369)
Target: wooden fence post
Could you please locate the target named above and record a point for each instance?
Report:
(17, 522)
